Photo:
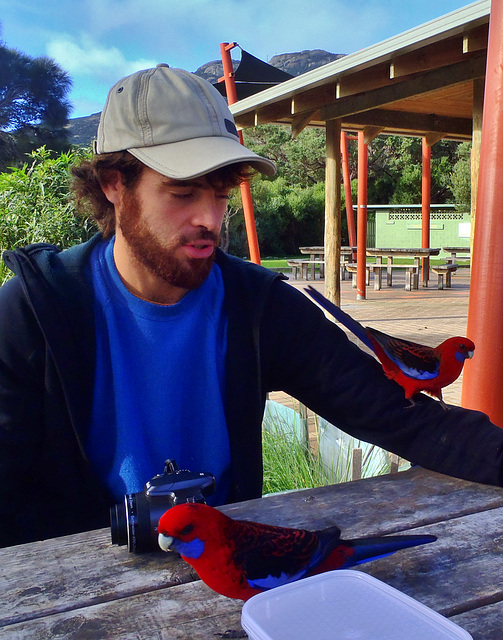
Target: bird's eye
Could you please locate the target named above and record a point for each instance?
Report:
(187, 529)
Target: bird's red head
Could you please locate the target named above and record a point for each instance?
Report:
(181, 520)
(461, 348)
(189, 527)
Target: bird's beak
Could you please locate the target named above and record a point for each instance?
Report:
(165, 541)
(470, 354)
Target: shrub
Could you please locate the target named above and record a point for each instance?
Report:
(36, 204)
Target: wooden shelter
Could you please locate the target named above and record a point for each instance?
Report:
(426, 82)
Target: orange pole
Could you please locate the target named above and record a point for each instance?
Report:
(483, 376)
(347, 190)
(249, 216)
(425, 210)
(361, 251)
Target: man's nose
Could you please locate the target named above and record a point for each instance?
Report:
(209, 210)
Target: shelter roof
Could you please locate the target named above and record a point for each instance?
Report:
(420, 82)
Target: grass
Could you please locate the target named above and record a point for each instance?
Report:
(281, 263)
(290, 464)
(278, 263)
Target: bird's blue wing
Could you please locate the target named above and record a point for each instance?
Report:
(415, 360)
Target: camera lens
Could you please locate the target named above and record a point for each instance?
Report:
(141, 536)
(133, 523)
(118, 526)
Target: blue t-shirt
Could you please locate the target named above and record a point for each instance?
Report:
(160, 382)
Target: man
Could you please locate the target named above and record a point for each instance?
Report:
(148, 342)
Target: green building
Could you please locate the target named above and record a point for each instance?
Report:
(399, 225)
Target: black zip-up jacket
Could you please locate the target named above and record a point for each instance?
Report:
(277, 340)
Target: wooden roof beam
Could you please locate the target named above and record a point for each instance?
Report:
(429, 57)
(476, 39)
(273, 112)
(366, 80)
(433, 138)
(417, 85)
(313, 99)
(245, 120)
(402, 120)
(299, 123)
(369, 133)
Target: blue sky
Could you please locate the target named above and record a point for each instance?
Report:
(99, 41)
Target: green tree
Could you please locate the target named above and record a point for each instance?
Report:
(36, 204)
(461, 177)
(300, 161)
(286, 216)
(33, 105)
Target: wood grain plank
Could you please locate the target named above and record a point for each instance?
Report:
(41, 578)
(462, 569)
(459, 572)
(184, 612)
(485, 623)
(50, 577)
(374, 506)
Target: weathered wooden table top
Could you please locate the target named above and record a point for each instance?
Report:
(81, 586)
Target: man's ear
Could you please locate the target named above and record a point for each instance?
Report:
(113, 188)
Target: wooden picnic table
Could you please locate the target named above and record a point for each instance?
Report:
(80, 586)
(455, 251)
(415, 254)
(317, 256)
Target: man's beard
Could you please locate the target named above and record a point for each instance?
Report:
(158, 259)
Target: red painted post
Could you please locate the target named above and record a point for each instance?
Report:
(483, 375)
(347, 190)
(425, 209)
(361, 253)
(249, 216)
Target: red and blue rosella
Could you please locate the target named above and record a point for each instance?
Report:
(415, 367)
(239, 559)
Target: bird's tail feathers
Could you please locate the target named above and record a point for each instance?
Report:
(366, 549)
(350, 323)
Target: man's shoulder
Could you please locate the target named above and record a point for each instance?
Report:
(243, 272)
(47, 257)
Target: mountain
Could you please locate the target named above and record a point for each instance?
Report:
(83, 130)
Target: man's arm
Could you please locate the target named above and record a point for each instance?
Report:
(310, 358)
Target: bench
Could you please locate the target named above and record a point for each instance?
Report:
(411, 274)
(302, 268)
(444, 270)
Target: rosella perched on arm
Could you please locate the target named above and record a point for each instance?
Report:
(413, 366)
(239, 559)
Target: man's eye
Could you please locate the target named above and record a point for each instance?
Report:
(181, 195)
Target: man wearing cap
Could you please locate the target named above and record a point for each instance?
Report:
(148, 342)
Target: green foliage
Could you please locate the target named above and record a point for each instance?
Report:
(289, 464)
(286, 216)
(461, 177)
(289, 209)
(33, 105)
(36, 206)
(301, 161)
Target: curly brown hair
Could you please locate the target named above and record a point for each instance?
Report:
(91, 175)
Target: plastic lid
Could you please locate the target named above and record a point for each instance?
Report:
(343, 605)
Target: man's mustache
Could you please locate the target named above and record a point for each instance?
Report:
(202, 234)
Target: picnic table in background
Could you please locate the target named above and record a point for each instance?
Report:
(457, 253)
(451, 264)
(411, 269)
(80, 586)
(317, 259)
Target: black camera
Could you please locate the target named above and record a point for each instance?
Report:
(134, 522)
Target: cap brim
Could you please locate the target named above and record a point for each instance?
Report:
(195, 157)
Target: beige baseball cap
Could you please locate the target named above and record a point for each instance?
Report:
(174, 122)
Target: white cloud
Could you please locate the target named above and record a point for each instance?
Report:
(82, 56)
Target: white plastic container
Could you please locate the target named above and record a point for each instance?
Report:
(343, 605)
